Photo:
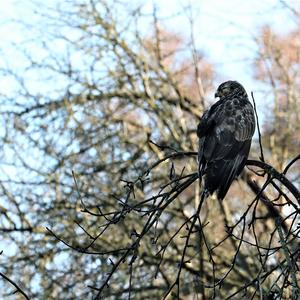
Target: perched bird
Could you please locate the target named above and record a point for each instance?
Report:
(225, 132)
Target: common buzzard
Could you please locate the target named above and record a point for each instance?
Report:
(225, 132)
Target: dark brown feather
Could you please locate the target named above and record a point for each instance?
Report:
(225, 132)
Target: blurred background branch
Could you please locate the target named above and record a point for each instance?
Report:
(100, 101)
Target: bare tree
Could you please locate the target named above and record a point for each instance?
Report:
(102, 198)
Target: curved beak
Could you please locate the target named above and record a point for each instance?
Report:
(216, 95)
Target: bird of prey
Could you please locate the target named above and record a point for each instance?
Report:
(225, 132)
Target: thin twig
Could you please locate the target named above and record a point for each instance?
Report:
(19, 290)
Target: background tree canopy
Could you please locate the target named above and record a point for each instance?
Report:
(99, 189)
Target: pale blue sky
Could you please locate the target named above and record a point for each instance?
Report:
(223, 29)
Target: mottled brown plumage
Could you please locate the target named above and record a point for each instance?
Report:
(225, 132)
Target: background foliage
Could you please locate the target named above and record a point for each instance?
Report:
(104, 94)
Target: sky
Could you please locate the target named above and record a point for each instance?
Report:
(224, 30)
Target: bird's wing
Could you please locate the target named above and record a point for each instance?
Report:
(205, 127)
(224, 145)
(246, 125)
(228, 132)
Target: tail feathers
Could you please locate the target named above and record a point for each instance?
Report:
(233, 173)
(220, 175)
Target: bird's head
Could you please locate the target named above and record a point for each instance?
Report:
(230, 88)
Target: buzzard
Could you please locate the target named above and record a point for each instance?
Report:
(225, 132)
